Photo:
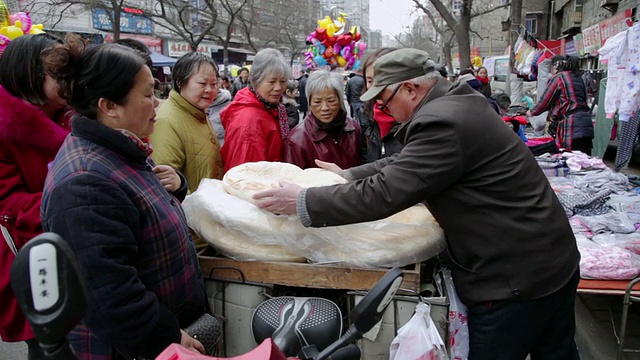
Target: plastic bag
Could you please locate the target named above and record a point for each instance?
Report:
(242, 231)
(458, 326)
(418, 339)
(606, 262)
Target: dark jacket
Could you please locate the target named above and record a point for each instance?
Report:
(302, 88)
(354, 89)
(378, 148)
(292, 111)
(238, 85)
(507, 234)
(307, 142)
(132, 243)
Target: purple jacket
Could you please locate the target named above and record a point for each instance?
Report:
(308, 142)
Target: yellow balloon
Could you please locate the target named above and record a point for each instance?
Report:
(342, 61)
(354, 31)
(331, 30)
(324, 23)
(13, 31)
(36, 29)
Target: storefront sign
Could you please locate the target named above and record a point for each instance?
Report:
(577, 41)
(179, 48)
(570, 47)
(129, 23)
(591, 40)
(613, 25)
(153, 43)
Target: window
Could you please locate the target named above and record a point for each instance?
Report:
(531, 23)
(457, 5)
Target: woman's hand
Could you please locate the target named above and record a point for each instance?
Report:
(168, 177)
(329, 166)
(191, 343)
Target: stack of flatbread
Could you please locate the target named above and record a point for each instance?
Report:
(223, 214)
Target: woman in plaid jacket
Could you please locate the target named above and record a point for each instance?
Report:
(119, 212)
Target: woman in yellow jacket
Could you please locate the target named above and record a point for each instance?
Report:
(183, 136)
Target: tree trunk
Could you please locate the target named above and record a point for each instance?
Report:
(225, 58)
(464, 45)
(116, 23)
(515, 15)
(447, 57)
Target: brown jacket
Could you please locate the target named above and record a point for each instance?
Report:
(507, 234)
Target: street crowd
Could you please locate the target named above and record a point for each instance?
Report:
(88, 152)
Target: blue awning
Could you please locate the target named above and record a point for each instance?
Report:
(161, 60)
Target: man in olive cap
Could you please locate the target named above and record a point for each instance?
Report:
(512, 252)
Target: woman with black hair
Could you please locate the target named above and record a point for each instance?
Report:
(34, 121)
(566, 99)
(118, 211)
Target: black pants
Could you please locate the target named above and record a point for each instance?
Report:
(582, 144)
(508, 330)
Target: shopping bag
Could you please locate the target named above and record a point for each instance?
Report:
(418, 339)
(458, 326)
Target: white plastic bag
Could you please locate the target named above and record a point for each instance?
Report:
(418, 339)
(458, 326)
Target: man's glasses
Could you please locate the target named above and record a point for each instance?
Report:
(384, 107)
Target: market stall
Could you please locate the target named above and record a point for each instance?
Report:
(254, 254)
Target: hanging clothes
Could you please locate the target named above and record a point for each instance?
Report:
(626, 139)
(603, 126)
(614, 73)
(631, 64)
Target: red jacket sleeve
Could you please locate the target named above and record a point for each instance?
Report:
(19, 208)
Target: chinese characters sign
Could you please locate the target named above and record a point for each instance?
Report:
(129, 23)
(591, 39)
(179, 48)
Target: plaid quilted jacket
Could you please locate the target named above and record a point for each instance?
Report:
(131, 240)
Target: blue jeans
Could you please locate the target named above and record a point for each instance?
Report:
(510, 330)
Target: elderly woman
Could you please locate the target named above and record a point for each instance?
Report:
(256, 122)
(327, 134)
(183, 137)
(118, 211)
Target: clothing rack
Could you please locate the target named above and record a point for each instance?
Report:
(525, 32)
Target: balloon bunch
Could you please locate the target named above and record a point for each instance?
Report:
(332, 45)
(15, 25)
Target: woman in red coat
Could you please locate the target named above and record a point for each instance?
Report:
(33, 125)
(256, 122)
(327, 133)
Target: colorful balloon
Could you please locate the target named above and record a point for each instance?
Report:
(12, 31)
(24, 19)
(333, 43)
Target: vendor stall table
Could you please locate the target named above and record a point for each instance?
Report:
(631, 291)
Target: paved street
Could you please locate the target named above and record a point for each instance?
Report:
(11, 351)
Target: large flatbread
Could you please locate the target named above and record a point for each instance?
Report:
(243, 181)
(225, 222)
(407, 237)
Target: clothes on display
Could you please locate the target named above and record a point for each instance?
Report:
(603, 125)
(626, 140)
(604, 213)
(622, 55)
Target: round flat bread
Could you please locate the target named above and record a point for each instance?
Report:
(243, 181)
(233, 226)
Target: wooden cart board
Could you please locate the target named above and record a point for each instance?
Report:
(301, 274)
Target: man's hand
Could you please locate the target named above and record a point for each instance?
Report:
(529, 113)
(191, 343)
(329, 166)
(168, 177)
(280, 201)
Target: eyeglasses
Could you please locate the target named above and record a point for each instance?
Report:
(384, 107)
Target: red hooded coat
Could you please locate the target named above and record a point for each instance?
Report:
(252, 132)
(29, 140)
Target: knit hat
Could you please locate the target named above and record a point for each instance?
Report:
(471, 80)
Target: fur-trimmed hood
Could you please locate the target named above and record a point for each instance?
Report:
(24, 124)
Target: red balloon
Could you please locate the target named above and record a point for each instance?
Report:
(329, 41)
(357, 37)
(321, 33)
(344, 39)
